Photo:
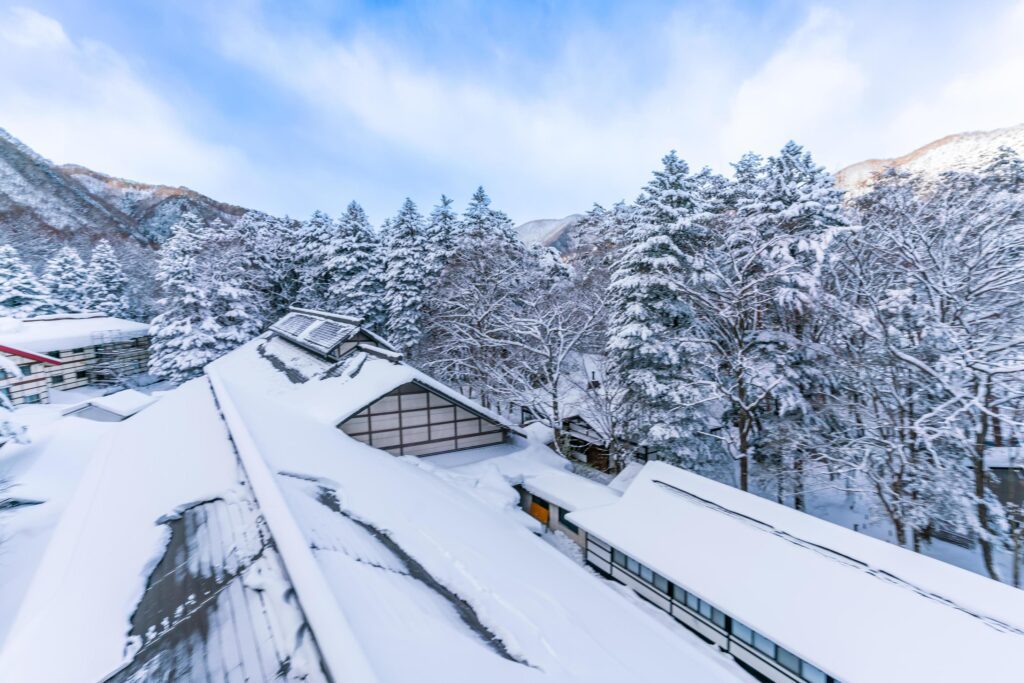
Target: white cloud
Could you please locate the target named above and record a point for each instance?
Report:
(79, 101)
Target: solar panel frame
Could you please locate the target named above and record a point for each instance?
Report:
(296, 324)
(328, 334)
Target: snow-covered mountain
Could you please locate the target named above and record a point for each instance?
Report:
(43, 205)
(551, 232)
(960, 152)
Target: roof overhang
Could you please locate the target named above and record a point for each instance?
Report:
(37, 357)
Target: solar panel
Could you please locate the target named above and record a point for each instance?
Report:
(327, 334)
(295, 324)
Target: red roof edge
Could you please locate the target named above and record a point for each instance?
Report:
(37, 357)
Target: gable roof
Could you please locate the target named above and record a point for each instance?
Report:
(826, 593)
(321, 332)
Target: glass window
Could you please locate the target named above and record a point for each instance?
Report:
(26, 370)
(442, 414)
(632, 565)
(619, 558)
(692, 601)
(705, 610)
(81, 374)
(742, 633)
(678, 594)
(718, 617)
(537, 500)
(384, 439)
(379, 422)
(356, 425)
(812, 674)
(32, 398)
(467, 427)
(388, 404)
(57, 379)
(414, 418)
(764, 645)
(646, 574)
(787, 659)
(562, 512)
(661, 583)
(415, 435)
(442, 431)
(414, 401)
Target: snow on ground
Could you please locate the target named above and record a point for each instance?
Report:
(94, 569)
(462, 589)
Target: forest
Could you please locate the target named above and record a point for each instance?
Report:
(761, 328)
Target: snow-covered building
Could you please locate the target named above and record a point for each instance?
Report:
(232, 530)
(549, 497)
(797, 598)
(89, 348)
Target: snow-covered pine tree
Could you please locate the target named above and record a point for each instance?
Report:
(106, 287)
(312, 250)
(267, 251)
(405, 276)
(65, 275)
(648, 313)
(208, 307)
(442, 234)
(480, 221)
(356, 268)
(22, 294)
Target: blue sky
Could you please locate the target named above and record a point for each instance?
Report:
(293, 106)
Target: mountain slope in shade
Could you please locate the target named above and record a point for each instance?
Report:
(961, 152)
(551, 232)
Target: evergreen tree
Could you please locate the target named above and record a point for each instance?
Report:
(22, 294)
(65, 275)
(106, 287)
(405, 276)
(312, 252)
(208, 307)
(648, 311)
(356, 268)
(480, 221)
(266, 253)
(442, 234)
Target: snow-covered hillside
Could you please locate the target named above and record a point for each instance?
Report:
(960, 152)
(551, 232)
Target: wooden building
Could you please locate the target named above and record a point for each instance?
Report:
(80, 349)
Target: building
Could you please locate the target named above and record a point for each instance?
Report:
(552, 494)
(232, 531)
(796, 598)
(89, 348)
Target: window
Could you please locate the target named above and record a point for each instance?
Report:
(764, 645)
(661, 583)
(26, 370)
(788, 660)
(6, 392)
(632, 565)
(718, 618)
(77, 350)
(742, 633)
(812, 674)
(82, 374)
(692, 601)
(678, 594)
(705, 610)
(57, 379)
(562, 512)
(540, 502)
(32, 398)
(54, 354)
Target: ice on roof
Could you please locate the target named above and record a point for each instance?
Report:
(68, 331)
(859, 608)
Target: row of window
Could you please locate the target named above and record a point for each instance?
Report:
(59, 379)
(736, 629)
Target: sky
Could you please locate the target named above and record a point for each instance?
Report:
(298, 105)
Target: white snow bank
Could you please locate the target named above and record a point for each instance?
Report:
(73, 620)
(858, 622)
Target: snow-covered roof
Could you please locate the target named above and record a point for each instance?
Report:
(856, 607)
(67, 331)
(569, 491)
(624, 478)
(404, 558)
(320, 331)
(1004, 457)
(29, 355)
(123, 404)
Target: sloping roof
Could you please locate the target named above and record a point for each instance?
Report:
(22, 353)
(419, 565)
(67, 331)
(123, 403)
(569, 491)
(320, 331)
(859, 608)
